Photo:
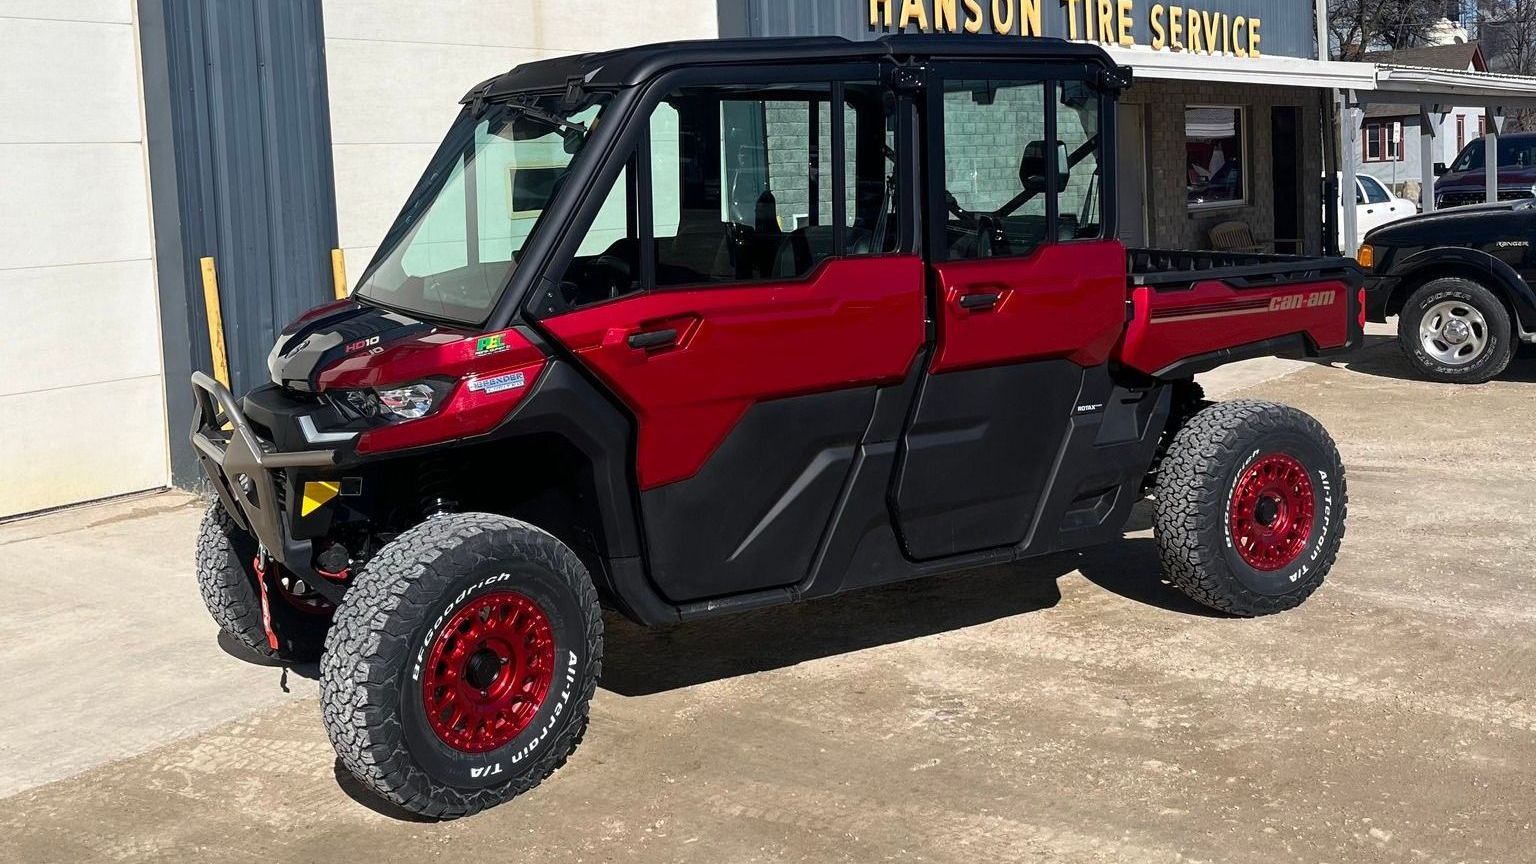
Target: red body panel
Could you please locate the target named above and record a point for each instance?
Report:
(1063, 300)
(1168, 326)
(467, 410)
(853, 322)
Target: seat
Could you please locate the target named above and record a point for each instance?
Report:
(1235, 236)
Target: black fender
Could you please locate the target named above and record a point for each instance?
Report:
(1492, 273)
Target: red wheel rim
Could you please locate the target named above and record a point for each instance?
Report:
(488, 672)
(1271, 514)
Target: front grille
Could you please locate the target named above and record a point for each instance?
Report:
(1463, 199)
(280, 489)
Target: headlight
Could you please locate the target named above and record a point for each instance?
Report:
(408, 402)
(403, 402)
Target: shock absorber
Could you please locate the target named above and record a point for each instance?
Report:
(436, 480)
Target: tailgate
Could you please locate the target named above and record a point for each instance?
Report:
(1192, 320)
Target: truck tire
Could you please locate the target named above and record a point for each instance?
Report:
(226, 577)
(1250, 507)
(1456, 331)
(460, 666)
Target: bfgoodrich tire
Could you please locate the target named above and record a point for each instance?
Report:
(460, 666)
(1250, 507)
(226, 577)
(1456, 331)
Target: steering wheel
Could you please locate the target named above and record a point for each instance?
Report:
(612, 275)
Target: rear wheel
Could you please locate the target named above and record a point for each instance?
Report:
(1250, 507)
(461, 664)
(226, 577)
(1456, 331)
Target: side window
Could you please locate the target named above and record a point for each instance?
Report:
(607, 263)
(869, 170)
(743, 180)
(1374, 193)
(995, 163)
(741, 187)
(1079, 200)
(750, 185)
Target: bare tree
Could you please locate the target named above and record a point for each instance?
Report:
(1355, 26)
(1506, 30)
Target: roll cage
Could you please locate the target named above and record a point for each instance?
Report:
(634, 80)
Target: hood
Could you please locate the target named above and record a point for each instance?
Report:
(331, 334)
(1510, 175)
(1455, 226)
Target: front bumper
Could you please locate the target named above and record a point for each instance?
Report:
(247, 471)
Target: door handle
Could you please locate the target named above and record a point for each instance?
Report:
(979, 301)
(652, 338)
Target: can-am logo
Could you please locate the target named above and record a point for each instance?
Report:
(1302, 301)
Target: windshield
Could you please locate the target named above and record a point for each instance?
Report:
(1514, 152)
(454, 246)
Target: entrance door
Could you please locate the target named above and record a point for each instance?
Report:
(747, 318)
(1131, 185)
(1029, 295)
(1284, 127)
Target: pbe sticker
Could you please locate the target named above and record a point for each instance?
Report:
(491, 344)
(497, 383)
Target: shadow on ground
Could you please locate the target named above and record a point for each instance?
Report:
(1380, 356)
(639, 661)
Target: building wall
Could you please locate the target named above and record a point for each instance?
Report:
(82, 409)
(1402, 175)
(1172, 224)
(396, 72)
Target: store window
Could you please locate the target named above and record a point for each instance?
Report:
(1214, 146)
(1383, 141)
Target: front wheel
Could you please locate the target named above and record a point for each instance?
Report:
(460, 665)
(290, 629)
(1250, 507)
(1456, 331)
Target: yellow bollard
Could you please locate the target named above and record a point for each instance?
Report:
(215, 322)
(339, 273)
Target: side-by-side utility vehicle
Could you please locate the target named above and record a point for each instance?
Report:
(707, 327)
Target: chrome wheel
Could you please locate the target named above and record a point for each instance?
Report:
(1453, 332)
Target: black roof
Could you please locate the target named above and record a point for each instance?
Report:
(629, 66)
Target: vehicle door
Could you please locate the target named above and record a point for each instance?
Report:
(745, 312)
(1028, 287)
(1375, 205)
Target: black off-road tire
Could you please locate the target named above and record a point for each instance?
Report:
(1500, 336)
(1195, 496)
(371, 686)
(226, 577)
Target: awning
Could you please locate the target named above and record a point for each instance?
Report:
(1277, 71)
(1418, 85)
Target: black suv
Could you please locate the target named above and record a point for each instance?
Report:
(1458, 279)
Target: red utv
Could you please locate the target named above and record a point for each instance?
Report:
(708, 327)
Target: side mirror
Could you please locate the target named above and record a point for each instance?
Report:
(1440, 169)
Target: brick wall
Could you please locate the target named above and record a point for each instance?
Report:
(1171, 223)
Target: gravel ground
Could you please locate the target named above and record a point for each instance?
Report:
(1072, 709)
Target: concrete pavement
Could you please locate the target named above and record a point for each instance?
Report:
(1070, 709)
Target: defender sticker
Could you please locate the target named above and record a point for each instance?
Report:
(497, 383)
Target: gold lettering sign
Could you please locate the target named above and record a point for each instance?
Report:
(1172, 27)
